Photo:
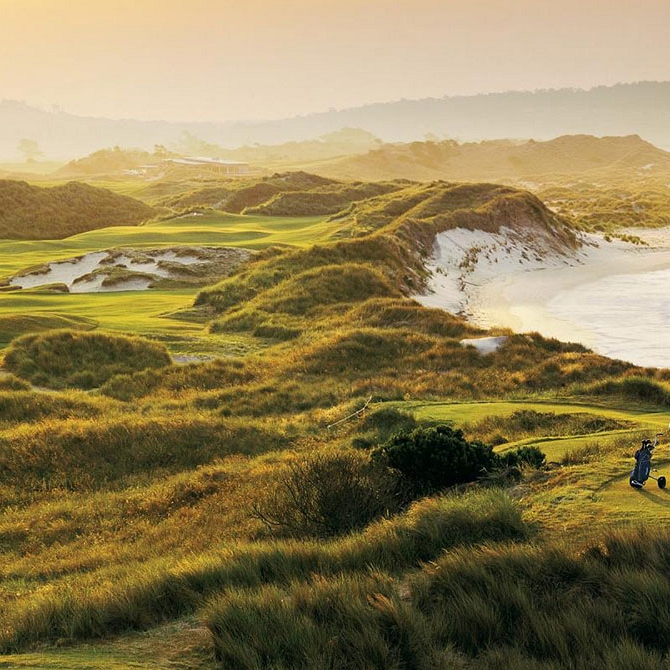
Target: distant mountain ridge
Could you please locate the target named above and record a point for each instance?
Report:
(624, 109)
(567, 156)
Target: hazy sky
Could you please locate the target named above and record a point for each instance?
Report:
(222, 60)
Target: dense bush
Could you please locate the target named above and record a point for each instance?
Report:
(435, 458)
(528, 455)
(330, 494)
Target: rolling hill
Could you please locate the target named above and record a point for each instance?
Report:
(33, 212)
(568, 156)
(243, 511)
(622, 109)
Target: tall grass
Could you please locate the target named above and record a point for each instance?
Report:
(503, 606)
(84, 454)
(68, 358)
(633, 387)
(554, 605)
(141, 595)
(22, 405)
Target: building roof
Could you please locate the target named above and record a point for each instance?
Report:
(204, 160)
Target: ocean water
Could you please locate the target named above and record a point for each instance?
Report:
(627, 316)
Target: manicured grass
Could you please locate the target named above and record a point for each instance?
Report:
(213, 229)
(127, 311)
(555, 447)
(146, 312)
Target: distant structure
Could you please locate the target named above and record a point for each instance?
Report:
(221, 166)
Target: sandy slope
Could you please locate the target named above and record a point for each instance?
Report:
(608, 295)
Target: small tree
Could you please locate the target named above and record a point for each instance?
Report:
(435, 458)
(330, 494)
(30, 150)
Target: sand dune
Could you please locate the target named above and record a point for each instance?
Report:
(610, 296)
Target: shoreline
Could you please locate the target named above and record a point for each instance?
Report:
(521, 300)
(564, 298)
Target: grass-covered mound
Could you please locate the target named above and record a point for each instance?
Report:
(13, 325)
(89, 454)
(80, 359)
(33, 212)
(234, 195)
(599, 207)
(108, 161)
(502, 606)
(570, 156)
(282, 194)
(281, 310)
(322, 200)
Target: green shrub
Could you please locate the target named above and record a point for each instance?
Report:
(435, 458)
(528, 455)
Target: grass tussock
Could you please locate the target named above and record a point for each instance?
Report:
(139, 596)
(300, 296)
(198, 377)
(489, 607)
(64, 358)
(553, 605)
(529, 423)
(86, 454)
(22, 406)
(636, 388)
(352, 621)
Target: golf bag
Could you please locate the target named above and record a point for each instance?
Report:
(642, 470)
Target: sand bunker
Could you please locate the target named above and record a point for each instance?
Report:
(131, 269)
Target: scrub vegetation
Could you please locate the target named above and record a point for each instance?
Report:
(350, 488)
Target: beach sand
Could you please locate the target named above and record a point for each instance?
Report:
(609, 295)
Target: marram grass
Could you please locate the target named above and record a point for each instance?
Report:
(140, 595)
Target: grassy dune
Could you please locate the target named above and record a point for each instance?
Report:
(131, 515)
(119, 311)
(32, 212)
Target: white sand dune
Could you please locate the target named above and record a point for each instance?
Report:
(610, 296)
